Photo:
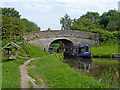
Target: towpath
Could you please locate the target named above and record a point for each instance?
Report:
(25, 78)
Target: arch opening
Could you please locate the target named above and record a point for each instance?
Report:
(59, 45)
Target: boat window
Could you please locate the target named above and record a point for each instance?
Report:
(74, 49)
(87, 49)
(66, 49)
(81, 50)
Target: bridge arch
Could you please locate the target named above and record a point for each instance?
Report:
(68, 37)
(65, 41)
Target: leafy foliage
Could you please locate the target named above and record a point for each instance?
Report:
(30, 26)
(10, 12)
(12, 28)
(93, 16)
(107, 25)
(82, 24)
(57, 45)
(110, 20)
(66, 22)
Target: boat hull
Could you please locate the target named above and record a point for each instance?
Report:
(76, 55)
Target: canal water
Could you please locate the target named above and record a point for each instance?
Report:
(103, 69)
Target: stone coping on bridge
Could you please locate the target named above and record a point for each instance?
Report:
(62, 33)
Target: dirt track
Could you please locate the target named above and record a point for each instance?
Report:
(25, 78)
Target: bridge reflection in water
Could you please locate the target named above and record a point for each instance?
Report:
(102, 69)
(80, 64)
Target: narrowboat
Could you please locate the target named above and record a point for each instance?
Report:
(79, 51)
(84, 51)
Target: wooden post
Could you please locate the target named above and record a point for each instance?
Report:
(15, 51)
(8, 51)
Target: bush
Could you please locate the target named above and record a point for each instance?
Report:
(106, 35)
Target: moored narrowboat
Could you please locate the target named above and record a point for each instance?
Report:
(79, 51)
(84, 51)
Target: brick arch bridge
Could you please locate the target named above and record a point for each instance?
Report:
(43, 39)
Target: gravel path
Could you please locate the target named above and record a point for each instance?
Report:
(25, 78)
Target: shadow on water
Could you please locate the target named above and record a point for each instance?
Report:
(102, 69)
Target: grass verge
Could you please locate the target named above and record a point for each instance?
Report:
(11, 73)
(31, 85)
(36, 52)
(105, 50)
(10, 69)
(108, 71)
(57, 74)
(0, 75)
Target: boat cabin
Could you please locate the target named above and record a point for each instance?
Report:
(81, 51)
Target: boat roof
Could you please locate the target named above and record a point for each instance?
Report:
(83, 46)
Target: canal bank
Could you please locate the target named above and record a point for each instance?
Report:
(116, 56)
(106, 50)
(104, 70)
(57, 74)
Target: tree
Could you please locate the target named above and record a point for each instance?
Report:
(82, 24)
(10, 12)
(49, 29)
(93, 16)
(66, 22)
(109, 18)
(30, 26)
(12, 27)
(114, 22)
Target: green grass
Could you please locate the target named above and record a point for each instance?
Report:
(39, 82)
(31, 85)
(59, 56)
(0, 76)
(36, 52)
(105, 49)
(0, 64)
(11, 73)
(10, 69)
(106, 62)
(109, 70)
(57, 74)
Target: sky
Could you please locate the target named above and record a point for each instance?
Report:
(47, 13)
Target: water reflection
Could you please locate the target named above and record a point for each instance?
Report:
(85, 64)
(104, 70)
(80, 64)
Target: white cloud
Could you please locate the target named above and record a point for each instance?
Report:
(46, 13)
(42, 1)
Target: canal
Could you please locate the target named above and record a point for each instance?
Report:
(103, 69)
